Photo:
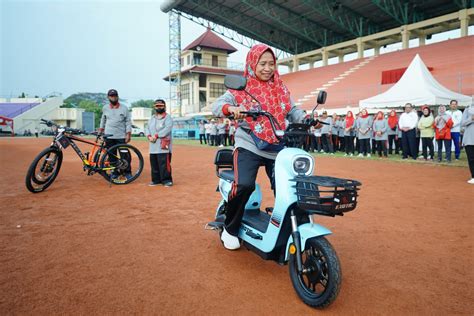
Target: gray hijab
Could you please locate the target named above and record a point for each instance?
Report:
(443, 117)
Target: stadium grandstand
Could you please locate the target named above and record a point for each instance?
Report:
(21, 116)
(348, 83)
(341, 46)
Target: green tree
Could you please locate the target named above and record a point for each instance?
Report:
(91, 106)
(143, 104)
(68, 104)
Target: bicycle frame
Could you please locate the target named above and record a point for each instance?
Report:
(92, 161)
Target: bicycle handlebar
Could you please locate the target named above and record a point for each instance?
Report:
(66, 129)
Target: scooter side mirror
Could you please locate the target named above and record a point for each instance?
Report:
(322, 95)
(235, 82)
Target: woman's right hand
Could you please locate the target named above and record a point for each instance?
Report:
(151, 138)
(235, 112)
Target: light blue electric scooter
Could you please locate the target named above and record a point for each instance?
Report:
(287, 232)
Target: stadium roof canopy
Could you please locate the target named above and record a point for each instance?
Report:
(301, 26)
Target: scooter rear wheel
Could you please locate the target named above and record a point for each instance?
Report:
(319, 284)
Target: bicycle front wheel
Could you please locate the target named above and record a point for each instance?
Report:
(121, 164)
(44, 169)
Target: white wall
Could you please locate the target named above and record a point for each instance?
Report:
(31, 118)
(141, 114)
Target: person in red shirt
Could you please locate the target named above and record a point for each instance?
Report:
(442, 124)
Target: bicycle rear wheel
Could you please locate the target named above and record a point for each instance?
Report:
(121, 164)
(44, 169)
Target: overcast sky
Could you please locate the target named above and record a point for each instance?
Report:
(71, 46)
(88, 46)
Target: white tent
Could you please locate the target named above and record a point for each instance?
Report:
(418, 87)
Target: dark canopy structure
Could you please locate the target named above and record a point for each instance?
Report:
(301, 26)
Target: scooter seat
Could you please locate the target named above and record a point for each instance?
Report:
(227, 175)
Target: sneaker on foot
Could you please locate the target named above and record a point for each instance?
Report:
(360, 155)
(230, 242)
(153, 184)
(345, 155)
(368, 155)
(471, 181)
(351, 155)
(168, 184)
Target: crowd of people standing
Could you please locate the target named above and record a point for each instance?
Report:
(217, 132)
(367, 135)
(412, 134)
(385, 135)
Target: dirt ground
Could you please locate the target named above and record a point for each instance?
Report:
(82, 247)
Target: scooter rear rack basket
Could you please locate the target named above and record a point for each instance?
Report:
(327, 196)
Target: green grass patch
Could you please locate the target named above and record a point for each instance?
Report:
(462, 162)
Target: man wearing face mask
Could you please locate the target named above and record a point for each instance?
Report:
(159, 131)
(117, 122)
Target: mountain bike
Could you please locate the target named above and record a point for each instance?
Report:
(118, 164)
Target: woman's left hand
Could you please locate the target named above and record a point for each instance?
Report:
(235, 111)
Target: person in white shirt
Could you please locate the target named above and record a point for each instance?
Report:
(456, 116)
(214, 135)
(202, 132)
(208, 128)
(407, 124)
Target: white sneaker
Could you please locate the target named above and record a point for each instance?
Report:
(360, 155)
(230, 242)
(368, 155)
(221, 145)
(345, 155)
(351, 155)
(471, 181)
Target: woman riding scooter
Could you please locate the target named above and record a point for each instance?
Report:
(255, 141)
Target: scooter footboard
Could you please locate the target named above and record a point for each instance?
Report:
(307, 231)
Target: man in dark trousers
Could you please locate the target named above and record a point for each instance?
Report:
(159, 134)
(116, 121)
(407, 124)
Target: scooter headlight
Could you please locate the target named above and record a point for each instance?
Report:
(302, 165)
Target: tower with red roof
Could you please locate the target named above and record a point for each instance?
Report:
(204, 63)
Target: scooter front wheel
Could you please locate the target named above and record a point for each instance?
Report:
(319, 283)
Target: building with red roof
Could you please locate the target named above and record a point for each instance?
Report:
(204, 64)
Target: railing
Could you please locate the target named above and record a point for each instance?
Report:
(208, 62)
(23, 110)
